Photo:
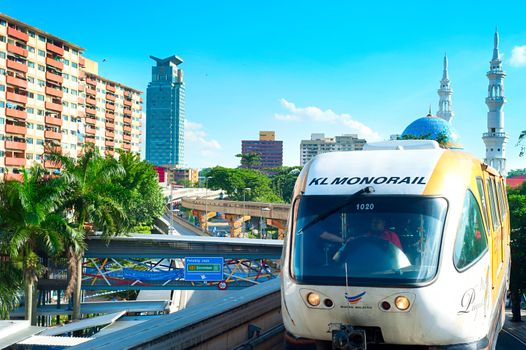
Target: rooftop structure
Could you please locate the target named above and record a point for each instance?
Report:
(318, 144)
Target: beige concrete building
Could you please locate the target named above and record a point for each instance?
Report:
(43, 100)
(318, 144)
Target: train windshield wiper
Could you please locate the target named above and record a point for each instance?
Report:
(327, 213)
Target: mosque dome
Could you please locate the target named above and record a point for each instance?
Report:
(431, 127)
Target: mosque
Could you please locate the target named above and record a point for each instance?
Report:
(440, 126)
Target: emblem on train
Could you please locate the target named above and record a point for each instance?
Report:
(354, 299)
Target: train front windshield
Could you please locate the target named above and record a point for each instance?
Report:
(369, 240)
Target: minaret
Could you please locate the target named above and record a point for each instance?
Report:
(445, 92)
(496, 138)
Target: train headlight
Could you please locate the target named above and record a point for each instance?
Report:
(402, 303)
(313, 299)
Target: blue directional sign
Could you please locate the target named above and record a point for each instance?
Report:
(203, 269)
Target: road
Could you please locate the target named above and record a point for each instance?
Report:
(507, 341)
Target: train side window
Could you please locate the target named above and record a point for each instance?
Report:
(493, 204)
(501, 200)
(482, 194)
(505, 198)
(470, 243)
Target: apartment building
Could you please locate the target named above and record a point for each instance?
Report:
(43, 101)
(318, 144)
(270, 150)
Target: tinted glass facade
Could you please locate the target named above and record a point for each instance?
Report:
(165, 113)
(271, 152)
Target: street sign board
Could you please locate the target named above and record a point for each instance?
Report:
(203, 269)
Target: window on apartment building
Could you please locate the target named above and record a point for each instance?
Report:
(75, 52)
(66, 48)
(40, 127)
(42, 38)
(30, 110)
(2, 87)
(74, 65)
(29, 155)
(40, 112)
(65, 103)
(41, 68)
(42, 53)
(40, 97)
(2, 104)
(72, 132)
(3, 23)
(65, 76)
(65, 89)
(31, 34)
(65, 117)
(2, 54)
(30, 79)
(74, 92)
(74, 79)
(30, 95)
(30, 125)
(30, 64)
(65, 61)
(2, 71)
(2, 121)
(29, 140)
(41, 83)
(73, 105)
(2, 153)
(2, 38)
(40, 143)
(38, 157)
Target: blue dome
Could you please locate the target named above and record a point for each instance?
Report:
(431, 127)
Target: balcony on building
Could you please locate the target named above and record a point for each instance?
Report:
(49, 164)
(16, 95)
(54, 120)
(127, 128)
(90, 110)
(126, 137)
(81, 88)
(90, 91)
(81, 100)
(91, 101)
(90, 131)
(110, 116)
(109, 133)
(53, 134)
(82, 75)
(15, 159)
(126, 93)
(55, 48)
(16, 33)
(90, 139)
(53, 90)
(82, 61)
(127, 102)
(54, 77)
(110, 106)
(110, 97)
(109, 143)
(90, 120)
(53, 62)
(16, 81)
(91, 81)
(127, 146)
(54, 105)
(15, 127)
(16, 49)
(127, 112)
(109, 125)
(16, 113)
(81, 114)
(15, 143)
(18, 65)
(14, 177)
(110, 87)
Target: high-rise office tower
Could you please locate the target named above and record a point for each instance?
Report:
(165, 113)
(269, 150)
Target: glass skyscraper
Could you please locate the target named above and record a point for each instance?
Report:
(165, 113)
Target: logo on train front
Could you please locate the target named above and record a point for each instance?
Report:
(354, 299)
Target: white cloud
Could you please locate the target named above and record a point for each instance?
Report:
(518, 56)
(194, 134)
(316, 114)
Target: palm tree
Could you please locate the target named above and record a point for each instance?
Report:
(92, 206)
(250, 160)
(31, 225)
(11, 283)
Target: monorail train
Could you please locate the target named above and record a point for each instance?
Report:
(403, 243)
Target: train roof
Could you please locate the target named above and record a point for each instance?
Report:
(392, 167)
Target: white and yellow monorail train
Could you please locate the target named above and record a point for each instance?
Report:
(403, 243)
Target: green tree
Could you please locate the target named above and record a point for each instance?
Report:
(441, 138)
(283, 180)
(239, 184)
(517, 204)
(250, 160)
(32, 226)
(517, 172)
(11, 283)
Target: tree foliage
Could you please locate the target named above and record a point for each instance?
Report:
(517, 172)
(517, 204)
(242, 184)
(250, 160)
(441, 138)
(283, 180)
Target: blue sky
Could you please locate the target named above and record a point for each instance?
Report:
(303, 67)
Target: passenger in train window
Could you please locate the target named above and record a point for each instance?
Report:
(379, 230)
